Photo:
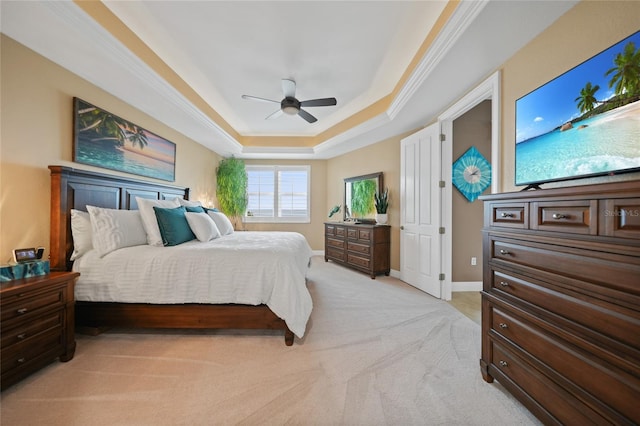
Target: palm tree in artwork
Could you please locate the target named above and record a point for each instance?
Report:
(587, 99)
(626, 73)
(107, 126)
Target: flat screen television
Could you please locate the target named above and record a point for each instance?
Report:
(584, 123)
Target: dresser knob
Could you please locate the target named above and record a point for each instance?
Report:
(504, 252)
(507, 215)
(504, 284)
(22, 360)
(21, 336)
(559, 216)
(22, 311)
(504, 363)
(503, 325)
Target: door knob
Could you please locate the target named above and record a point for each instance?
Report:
(402, 228)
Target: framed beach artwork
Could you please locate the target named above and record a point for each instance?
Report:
(103, 139)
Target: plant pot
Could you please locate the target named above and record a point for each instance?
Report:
(381, 218)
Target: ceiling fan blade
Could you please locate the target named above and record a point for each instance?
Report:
(288, 88)
(255, 98)
(319, 102)
(273, 115)
(304, 114)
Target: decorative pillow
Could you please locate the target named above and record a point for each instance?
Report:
(189, 203)
(202, 226)
(195, 209)
(173, 225)
(81, 231)
(149, 219)
(222, 222)
(113, 229)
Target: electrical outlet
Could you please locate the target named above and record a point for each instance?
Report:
(474, 261)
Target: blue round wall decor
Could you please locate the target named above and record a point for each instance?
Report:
(471, 174)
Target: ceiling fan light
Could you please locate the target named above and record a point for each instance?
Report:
(290, 109)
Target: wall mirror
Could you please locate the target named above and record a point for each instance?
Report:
(359, 204)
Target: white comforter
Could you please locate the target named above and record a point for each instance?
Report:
(245, 267)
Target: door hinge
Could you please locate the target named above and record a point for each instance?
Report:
(441, 184)
(441, 230)
(442, 137)
(441, 277)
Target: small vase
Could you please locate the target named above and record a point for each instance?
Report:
(381, 218)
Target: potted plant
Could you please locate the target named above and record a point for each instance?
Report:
(231, 176)
(382, 204)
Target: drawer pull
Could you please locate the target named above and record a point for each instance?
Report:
(504, 252)
(21, 336)
(507, 215)
(503, 363)
(559, 216)
(22, 311)
(503, 325)
(22, 360)
(504, 284)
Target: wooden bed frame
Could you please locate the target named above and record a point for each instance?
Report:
(75, 189)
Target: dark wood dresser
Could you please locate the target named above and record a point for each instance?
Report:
(37, 323)
(561, 301)
(359, 246)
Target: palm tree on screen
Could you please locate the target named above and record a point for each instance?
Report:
(626, 72)
(587, 99)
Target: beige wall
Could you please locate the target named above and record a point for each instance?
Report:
(585, 30)
(37, 130)
(380, 157)
(471, 129)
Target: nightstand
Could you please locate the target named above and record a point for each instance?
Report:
(37, 323)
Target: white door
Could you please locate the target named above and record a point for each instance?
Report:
(420, 200)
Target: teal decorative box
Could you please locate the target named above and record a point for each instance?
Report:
(24, 270)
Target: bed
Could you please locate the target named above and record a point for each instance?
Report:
(144, 299)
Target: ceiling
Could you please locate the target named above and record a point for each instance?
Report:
(393, 66)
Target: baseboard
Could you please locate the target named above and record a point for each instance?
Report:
(466, 286)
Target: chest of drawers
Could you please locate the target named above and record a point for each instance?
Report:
(359, 246)
(37, 324)
(561, 301)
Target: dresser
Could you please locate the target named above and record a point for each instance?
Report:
(362, 247)
(37, 324)
(561, 301)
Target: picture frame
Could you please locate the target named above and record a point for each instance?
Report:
(105, 140)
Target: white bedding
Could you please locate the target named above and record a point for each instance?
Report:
(245, 267)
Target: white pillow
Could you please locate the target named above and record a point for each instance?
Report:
(203, 226)
(222, 222)
(149, 220)
(81, 231)
(188, 203)
(113, 229)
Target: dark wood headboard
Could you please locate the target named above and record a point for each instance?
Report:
(75, 189)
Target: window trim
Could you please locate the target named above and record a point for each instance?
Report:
(275, 219)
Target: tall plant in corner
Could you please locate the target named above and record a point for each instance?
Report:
(231, 176)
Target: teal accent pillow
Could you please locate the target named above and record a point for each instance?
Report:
(195, 209)
(174, 228)
(206, 210)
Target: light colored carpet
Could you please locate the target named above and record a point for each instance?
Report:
(376, 352)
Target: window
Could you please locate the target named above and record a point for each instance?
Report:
(278, 194)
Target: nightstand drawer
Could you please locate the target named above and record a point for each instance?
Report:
(23, 304)
(21, 355)
(28, 330)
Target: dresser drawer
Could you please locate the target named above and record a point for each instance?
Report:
(364, 250)
(618, 323)
(557, 402)
(334, 230)
(359, 260)
(586, 265)
(512, 215)
(332, 242)
(30, 329)
(24, 304)
(576, 217)
(606, 383)
(621, 218)
(336, 254)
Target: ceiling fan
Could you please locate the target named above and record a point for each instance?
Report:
(292, 106)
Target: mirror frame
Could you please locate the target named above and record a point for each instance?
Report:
(378, 175)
